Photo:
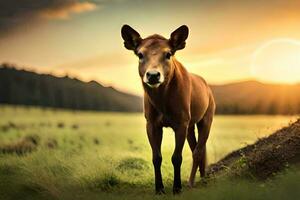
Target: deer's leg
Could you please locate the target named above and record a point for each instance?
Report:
(191, 138)
(199, 153)
(180, 135)
(155, 138)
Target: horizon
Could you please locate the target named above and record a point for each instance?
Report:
(32, 70)
(229, 41)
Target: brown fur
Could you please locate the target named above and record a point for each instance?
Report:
(181, 101)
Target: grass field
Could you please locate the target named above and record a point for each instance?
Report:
(91, 155)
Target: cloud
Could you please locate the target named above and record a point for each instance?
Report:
(66, 11)
(15, 13)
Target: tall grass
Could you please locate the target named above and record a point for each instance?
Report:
(90, 155)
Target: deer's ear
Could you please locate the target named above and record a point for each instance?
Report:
(131, 37)
(178, 37)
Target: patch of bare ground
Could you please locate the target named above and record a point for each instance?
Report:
(264, 158)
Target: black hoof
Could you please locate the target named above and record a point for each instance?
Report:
(160, 191)
(176, 191)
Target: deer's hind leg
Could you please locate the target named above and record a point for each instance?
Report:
(191, 138)
(199, 153)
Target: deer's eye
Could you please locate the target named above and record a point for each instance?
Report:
(168, 55)
(140, 55)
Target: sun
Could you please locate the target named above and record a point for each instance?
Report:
(277, 61)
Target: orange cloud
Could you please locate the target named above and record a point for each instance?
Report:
(65, 12)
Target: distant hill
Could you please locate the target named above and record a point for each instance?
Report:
(22, 87)
(252, 97)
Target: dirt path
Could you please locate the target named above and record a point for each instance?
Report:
(264, 158)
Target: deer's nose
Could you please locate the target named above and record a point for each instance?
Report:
(153, 76)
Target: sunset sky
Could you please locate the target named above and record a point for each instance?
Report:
(229, 40)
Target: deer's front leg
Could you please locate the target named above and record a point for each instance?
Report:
(154, 133)
(180, 135)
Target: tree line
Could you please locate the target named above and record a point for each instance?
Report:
(20, 87)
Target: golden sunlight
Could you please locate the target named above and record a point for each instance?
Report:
(277, 61)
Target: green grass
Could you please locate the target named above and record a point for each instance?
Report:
(106, 155)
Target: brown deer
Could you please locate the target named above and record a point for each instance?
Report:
(174, 98)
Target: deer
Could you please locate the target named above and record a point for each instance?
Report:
(174, 98)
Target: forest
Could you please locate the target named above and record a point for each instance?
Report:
(21, 87)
